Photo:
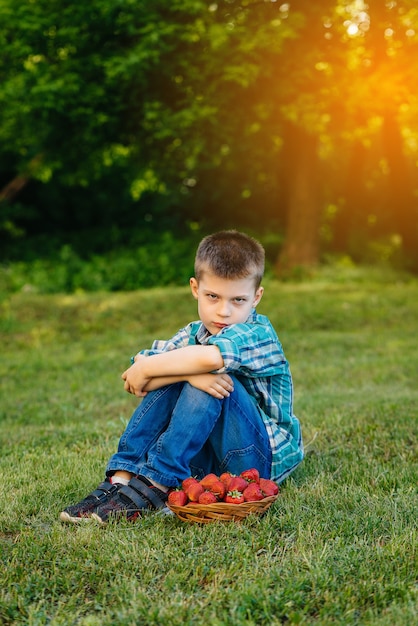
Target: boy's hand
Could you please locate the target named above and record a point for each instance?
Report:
(135, 381)
(217, 385)
(151, 372)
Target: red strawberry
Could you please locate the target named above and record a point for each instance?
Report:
(207, 497)
(208, 480)
(218, 489)
(253, 493)
(187, 481)
(237, 483)
(225, 478)
(268, 487)
(234, 497)
(251, 475)
(178, 497)
(194, 490)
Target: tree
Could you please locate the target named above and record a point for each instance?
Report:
(236, 107)
(380, 194)
(82, 101)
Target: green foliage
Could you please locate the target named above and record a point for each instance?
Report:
(338, 547)
(159, 260)
(121, 110)
(147, 260)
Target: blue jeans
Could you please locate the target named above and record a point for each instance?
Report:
(179, 431)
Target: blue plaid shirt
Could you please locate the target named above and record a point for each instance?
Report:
(253, 354)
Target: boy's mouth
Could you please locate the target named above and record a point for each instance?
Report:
(219, 325)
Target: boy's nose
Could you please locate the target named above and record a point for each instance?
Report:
(224, 310)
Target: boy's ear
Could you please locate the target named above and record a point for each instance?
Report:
(258, 296)
(194, 287)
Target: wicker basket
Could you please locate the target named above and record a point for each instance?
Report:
(221, 511)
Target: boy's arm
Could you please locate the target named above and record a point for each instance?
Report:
(176, 364)
(217, 385)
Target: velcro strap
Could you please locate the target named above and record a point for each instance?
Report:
(102, 489)
(150, 494)
(136, 498)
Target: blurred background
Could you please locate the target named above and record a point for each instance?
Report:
(129, 129)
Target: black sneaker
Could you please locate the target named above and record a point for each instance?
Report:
(133, 500)
(83, 510)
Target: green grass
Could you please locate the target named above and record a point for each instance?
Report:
(339, 546)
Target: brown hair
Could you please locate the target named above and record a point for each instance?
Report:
(230, 254)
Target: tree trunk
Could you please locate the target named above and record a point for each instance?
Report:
(402, 203)
(301, 247)
(351, 216)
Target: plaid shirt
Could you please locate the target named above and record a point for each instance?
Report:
(253, 354)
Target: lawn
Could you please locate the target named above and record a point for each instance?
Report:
(339, 546)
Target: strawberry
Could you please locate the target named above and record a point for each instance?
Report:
(187, 481)
(208, 480)
(194, 490)
(178, 497)
(253, 493)
(234, 497)
(207, 497)
(237, 483)
(268, 487)
(225, 478)
(218, 489)
(251, 475)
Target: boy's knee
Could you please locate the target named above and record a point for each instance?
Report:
(197, 397)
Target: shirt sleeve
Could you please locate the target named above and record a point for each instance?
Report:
(250, 350)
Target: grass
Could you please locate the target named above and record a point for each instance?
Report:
(338, 547)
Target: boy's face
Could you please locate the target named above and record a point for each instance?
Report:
(222, 302)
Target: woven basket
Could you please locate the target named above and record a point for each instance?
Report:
(221, 511)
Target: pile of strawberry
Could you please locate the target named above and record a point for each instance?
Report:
(247, 487)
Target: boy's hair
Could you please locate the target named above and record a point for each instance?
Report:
(230, 254)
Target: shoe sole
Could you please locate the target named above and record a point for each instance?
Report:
(98, 519)
(69, 519)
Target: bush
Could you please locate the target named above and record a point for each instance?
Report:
(164, 261)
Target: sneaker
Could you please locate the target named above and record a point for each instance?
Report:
(131, 501)
(79, 512)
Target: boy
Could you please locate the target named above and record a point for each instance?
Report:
(216, 397)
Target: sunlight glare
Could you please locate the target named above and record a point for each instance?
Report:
(352, 29)
(359, 20)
